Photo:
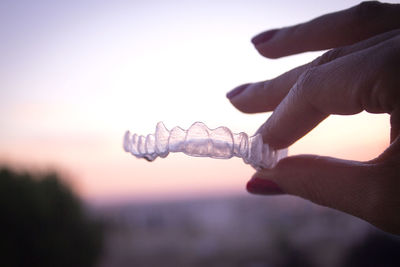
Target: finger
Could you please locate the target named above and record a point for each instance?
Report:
(365, 190)
(365, 80)
(332, 30)
(265, 96)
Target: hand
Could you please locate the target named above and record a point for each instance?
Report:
(361, 72)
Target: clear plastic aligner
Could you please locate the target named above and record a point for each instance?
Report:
(200, 141)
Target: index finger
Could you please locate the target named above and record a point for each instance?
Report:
(365, 80)
(329, 31)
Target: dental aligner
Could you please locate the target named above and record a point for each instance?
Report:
(200, 141)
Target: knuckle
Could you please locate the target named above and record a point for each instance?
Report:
(368, 10)
(327, 57)
(304, 82)
(307, 88)
(392, 59)
(384, 94)
(308, 91)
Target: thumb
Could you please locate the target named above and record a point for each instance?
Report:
(349, 186)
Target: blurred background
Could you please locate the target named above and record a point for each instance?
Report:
(75, 75)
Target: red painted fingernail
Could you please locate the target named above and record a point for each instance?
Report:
(263, 187)
(236, 91)
(263, 37)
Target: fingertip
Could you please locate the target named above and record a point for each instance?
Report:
(263, 37)
(239, 98)
(266, 51)
(273, 140)
(254, 97)
(236, 91)
(269, 44)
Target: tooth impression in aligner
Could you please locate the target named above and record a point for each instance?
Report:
(200, 141)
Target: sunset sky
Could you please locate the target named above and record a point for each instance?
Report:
(75, 75)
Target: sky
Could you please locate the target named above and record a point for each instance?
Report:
(75, 75)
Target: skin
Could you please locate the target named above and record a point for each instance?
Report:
(361, 71)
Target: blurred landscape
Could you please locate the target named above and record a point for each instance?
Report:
(45, 224)
(241, 231)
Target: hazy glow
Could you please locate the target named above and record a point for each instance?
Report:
(76, 75)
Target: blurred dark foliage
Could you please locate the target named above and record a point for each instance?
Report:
(376, 249)
(42, 223)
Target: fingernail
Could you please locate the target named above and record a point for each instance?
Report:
(263, 37)
(236, 91)
(263, 186)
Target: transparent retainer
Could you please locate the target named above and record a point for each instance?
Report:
(200, 141)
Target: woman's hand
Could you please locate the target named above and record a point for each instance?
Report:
(361, 72)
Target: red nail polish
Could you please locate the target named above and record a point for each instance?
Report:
(263, 187)
(263, 37)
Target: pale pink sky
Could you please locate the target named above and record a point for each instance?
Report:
(76, 75)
